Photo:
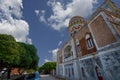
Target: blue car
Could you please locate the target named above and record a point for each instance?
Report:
(34, 76)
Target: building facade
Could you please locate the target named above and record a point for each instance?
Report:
(93, 50)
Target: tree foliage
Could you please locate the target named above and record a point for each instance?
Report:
(47, 67)
(9, 50)
(29, 58)
(17, 54)
(25, 58)
(31, 50)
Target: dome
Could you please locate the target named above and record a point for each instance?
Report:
(75, 20)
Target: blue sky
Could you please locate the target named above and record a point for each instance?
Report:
(43, 23)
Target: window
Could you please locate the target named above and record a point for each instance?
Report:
(68, 52)
(69, 72)
(66, 70)
(89, 41)
(75, 32)
(72, 71)
(71, 53)
(83, 72)
(78, 48)
(71, 34)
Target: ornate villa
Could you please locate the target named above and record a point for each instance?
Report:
(93, 50)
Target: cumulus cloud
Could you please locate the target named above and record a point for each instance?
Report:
(41, 15)
(29, 41)
(60, 42)
(63, 12)
(11, 21)
(46, 60)
(37, 12)
(54, 52)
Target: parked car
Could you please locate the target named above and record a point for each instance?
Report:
(34, 76)
(23, 77)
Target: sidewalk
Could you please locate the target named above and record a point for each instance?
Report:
(49, 77)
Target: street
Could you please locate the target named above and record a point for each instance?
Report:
(47, 77)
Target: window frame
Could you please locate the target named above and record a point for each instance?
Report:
(78, 46)
(89, 41)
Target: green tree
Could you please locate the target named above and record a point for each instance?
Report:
(16, 54)
(47, 67)
(31, 50)
(25, 58)
(9, 52)
(28, 57)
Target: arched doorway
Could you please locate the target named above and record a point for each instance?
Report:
(98, 72)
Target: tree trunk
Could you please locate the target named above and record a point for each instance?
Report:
(21, 71)
(8, 74)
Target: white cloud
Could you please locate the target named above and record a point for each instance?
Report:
(18, 28)
(11, 8)
(46, 60)
(37, 12)
(29, 41)
(50, 51)
(11, 21)
(63, 12)
(60, 42)
(54, 52)
(41, 15)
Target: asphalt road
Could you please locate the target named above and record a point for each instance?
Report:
(47, 77)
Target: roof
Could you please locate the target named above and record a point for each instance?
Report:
(75, 19)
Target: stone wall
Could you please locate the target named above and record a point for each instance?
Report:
(105, 66)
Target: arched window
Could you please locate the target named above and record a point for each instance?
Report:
(89, 41)
(83, 72)
(66, 70)
(78, 46)
(98, 72)
(72, 71)
(68, 52)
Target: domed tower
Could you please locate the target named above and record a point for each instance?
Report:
(75, 24)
